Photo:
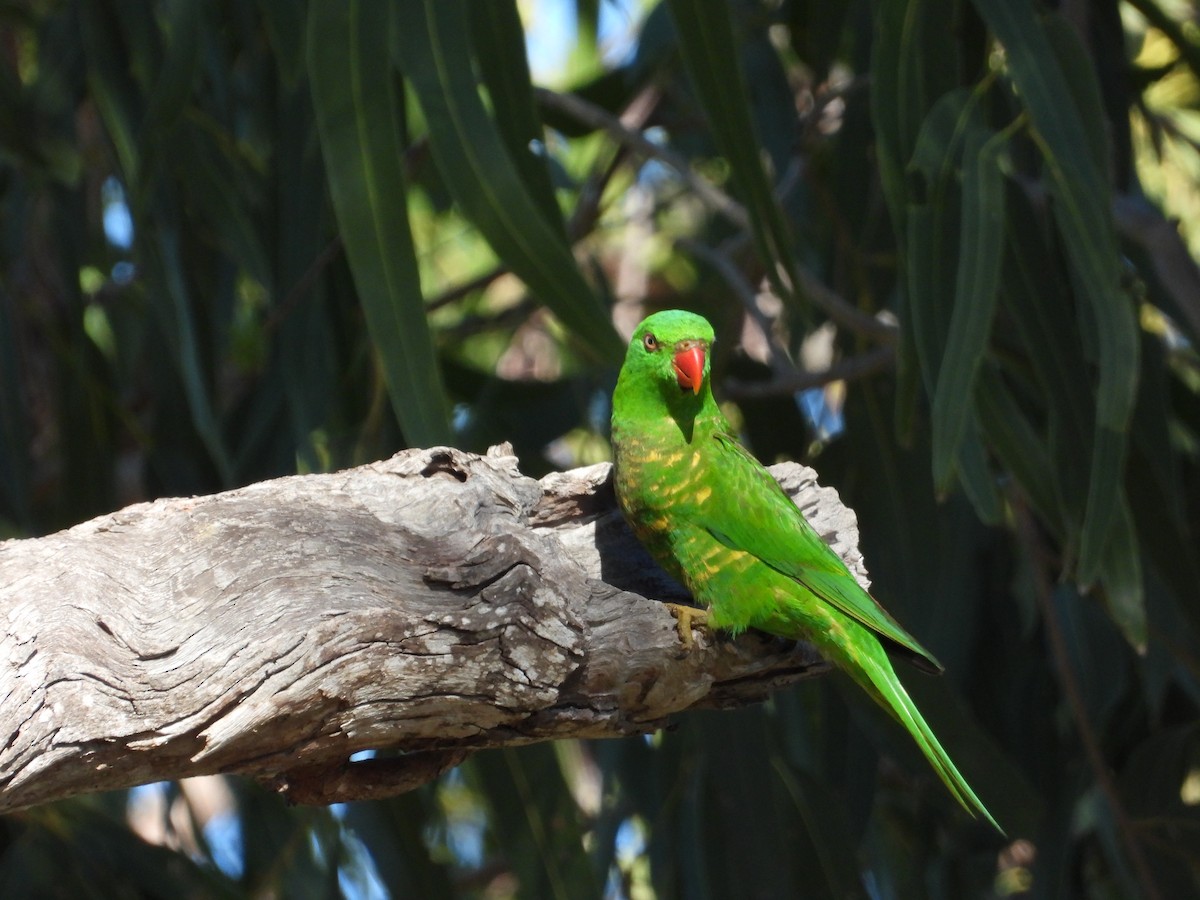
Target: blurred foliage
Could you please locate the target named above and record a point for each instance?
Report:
(244, 240)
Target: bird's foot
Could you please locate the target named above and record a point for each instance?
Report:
(687, 618)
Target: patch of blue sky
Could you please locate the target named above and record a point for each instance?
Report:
(223, 834)
(653, 172)
(143, 792)
(118, 222)
(358, 877)
(461, 418)
(465, 840)
(599, 410)
(630, 844)
(825, 420)
(551, 29)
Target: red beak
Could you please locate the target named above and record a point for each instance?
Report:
(689, 368)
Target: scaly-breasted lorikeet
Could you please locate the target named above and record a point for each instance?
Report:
(715, 519)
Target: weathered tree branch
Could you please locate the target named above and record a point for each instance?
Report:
(433, 604)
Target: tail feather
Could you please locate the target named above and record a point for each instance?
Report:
(857, 651)
(887, 690)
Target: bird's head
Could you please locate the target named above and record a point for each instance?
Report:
(670, 351)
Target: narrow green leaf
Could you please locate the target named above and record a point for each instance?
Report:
(536, 821)
(933, 227)
(166, 266)
(1079, 76)
(499, 42)
(914, 63)
(349, 62)
(111, 87)
(168, 99)
(395, 833)
(1121, 579)
(1038, 299)
(284, 24)
(213, 193)
(307, 347)
(976, 288)
(709, 46)
(1082, 205)
(1016, 444)
(978, 481)
(434, 52)
(1152, 424)
(887, 56)
(1170, 549)
(913, 66)
(908, 375)
(825, 851)
(1096, 652)
(139, 41)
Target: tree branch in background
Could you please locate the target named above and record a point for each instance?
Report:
(595, 117)
(851, 369)
(747, 295)
(1140, 223)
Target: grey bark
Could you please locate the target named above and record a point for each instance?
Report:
(432, 604)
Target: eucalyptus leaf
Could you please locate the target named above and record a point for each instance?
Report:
(707, 33)
(351, 74)
(976, 289)
(1082, 210)
(499, 47)
(434, 51)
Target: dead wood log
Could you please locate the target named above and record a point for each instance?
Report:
(432, 604)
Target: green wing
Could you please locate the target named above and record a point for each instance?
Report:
(750, 512)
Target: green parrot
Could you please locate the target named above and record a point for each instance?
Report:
(715, 519)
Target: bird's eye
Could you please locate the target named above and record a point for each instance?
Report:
(650, 342)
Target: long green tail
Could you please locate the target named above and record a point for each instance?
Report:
(892, 696)
(865, 660)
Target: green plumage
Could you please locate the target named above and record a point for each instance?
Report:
(716, 519)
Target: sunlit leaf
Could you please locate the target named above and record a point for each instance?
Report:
(356, 107)
(499, 44)
(707, 41)
(434, 51)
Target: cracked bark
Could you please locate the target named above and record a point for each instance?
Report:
(432, 604)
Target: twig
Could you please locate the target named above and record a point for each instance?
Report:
(636, 114)
(303, 285)
(744, 291)
(586, 212)
(839, 309)
(1140, 223)
(836, 307)
(590, 114)
(842, 311)
(851, 369)
(458, 291)
(1027, 531)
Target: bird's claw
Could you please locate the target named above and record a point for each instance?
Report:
(687, 618)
